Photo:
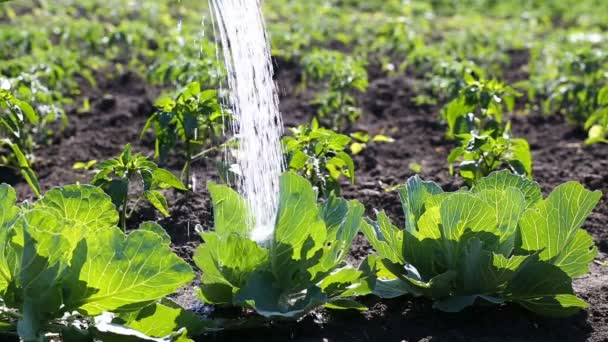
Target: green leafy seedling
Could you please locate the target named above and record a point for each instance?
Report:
(480, 105)
(115, 177)
(193, 117)
(15, 115)
(449, 77)
(479, 155)
(476, 119)
(320, 155)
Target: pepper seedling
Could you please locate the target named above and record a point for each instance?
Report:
(193, 117)
(319, 155)
(116, 175)
(14, 116)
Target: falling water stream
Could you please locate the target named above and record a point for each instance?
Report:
(257, 122)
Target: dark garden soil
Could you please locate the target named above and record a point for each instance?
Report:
(121, 104)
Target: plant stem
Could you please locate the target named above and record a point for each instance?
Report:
(186, 169)
(134, 207)
(338, 117)
(204, 153)
(123, 215)
(123, 218)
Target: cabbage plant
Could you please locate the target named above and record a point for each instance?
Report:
(301, 267)
(68, 272)
(498, 242)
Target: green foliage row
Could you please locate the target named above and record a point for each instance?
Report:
(567, 65)
(568, 78)
(68, 271)
(50, 44)
(52, 49)
(597, 123)
(497, 242)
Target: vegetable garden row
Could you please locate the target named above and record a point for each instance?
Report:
(503, 105)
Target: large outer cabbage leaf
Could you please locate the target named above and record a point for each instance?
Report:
(125, 272)
(552, 228)
(504, 179)
(161, 319)
(85, 209)
(230, 211)
(299, 234)
(8, 215)
(229, 260)
(386, 238)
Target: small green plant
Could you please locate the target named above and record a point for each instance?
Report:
(16, 144)
(340, 75)
(298, 270)
(449, 77)
(481, 153)
(480, 105)
(498, 242)
(575, 92)
(597, 124)
(68, 273)
(320, 156)
(181, 64)
(193, 117)
(391, 36)
(116, 177)
(476, 119)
